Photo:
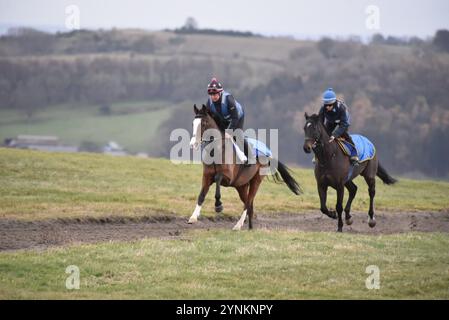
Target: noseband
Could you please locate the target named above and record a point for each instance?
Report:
(315, 140)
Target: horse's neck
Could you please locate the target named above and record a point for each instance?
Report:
(324, 135)
(227, 166)
(213, 125)
(328, 148)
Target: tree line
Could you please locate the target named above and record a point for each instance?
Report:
(396, 92)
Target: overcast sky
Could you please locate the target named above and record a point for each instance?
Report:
(279, 17)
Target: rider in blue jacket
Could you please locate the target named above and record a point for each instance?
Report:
(336, 119)
(228, 113)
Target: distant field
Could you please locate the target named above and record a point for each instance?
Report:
(133, 124)
(38, 185)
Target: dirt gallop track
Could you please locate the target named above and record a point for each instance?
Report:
(15, 234)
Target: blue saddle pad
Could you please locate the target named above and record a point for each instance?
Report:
(365, 148)
(259, 148)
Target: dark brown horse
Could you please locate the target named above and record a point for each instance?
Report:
(333, 169)
(226, 172)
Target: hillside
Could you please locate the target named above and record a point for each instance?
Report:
(396, 91)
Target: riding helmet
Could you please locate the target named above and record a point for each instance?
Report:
(214, 86)
(329, 96)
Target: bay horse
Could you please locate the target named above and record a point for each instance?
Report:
(246, 179)
(333, 169)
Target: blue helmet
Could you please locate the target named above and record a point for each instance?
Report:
(329, 96)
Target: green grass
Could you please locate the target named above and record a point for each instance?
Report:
(38, 185)
(246, 265)
(131, 124)
(217, 264)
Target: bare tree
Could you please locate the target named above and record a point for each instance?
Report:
(190, 24)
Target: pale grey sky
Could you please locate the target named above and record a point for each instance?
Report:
(279, 17)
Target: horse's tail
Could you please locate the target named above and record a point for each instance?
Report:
(384, 176)
(285, 172)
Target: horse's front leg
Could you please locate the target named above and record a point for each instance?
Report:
(339, 206)
(207, 181)
(218, 204)
(322, 192)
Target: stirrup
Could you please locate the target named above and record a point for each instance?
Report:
(355, 161)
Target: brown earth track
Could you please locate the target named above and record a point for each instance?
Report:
(16, 234)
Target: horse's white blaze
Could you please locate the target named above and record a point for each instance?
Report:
(309, 124)
(195, 141)
(241, 221)
(195, 214)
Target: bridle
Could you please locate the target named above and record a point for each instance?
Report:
(202, 141)
(317, 145)
(315, 140)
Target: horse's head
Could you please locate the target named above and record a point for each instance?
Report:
(202, 121)
(312, 132)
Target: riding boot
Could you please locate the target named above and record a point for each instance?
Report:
(355, 161)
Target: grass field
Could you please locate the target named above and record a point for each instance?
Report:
(245, 265)
(38, 185)
(132, 124)
(208, 264)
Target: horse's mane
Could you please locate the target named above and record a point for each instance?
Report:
(207, 112)
(314, 117)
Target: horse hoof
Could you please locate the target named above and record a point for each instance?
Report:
(339, 230)
(219, 209)
(332, 215)
(237, 228)
(372, 223)
(192, 220)
(349, 221)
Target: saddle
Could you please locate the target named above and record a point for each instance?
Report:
(363, 148)
(348, 148)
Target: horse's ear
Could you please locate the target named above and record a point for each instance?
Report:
(195, 109)
(306, 115)
(204, 108)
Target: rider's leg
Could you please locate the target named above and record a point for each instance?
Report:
(246, 146)
(354, 159)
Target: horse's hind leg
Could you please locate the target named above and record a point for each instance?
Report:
(352, 188)
(207, 181)
(243, 193)
(218, 204)
(254, 186)
(371, 181)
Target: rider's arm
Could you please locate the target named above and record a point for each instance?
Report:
(344, 122)
(232, 108)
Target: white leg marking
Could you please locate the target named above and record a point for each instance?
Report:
(239, 224)
(195, 214)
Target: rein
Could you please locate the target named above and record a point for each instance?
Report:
(318, 149)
